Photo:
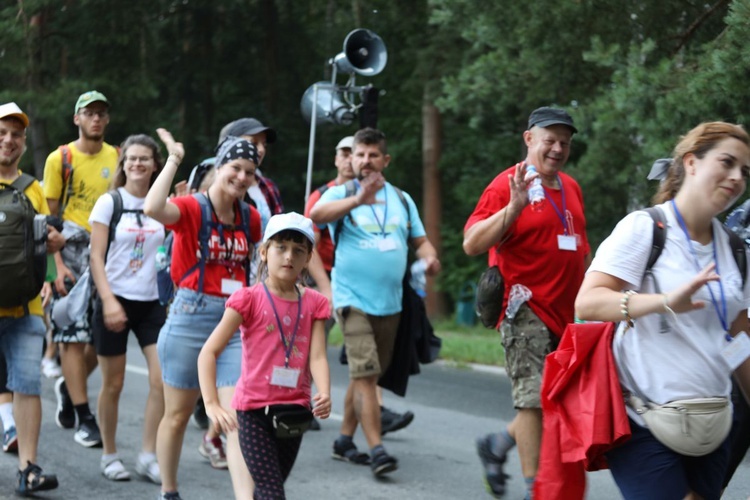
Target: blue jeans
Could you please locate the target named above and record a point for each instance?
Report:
(22, 343)
(192, 317)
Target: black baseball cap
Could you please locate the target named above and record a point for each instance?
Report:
(247, 126)
(546, 116)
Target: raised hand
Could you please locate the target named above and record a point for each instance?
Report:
(680, 299)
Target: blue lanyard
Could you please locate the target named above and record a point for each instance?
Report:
(720, 312)
(385, 213)
(560, 214)
(287, 347)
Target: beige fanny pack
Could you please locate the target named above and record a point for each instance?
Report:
(692, 427)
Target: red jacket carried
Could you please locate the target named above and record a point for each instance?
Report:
(583, 408)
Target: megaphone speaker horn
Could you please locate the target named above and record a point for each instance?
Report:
(364, 53)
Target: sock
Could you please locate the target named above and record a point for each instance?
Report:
(343, 439)
(146, 457)
(6, 415)
(108, 458)
(377, 449)
(501, 443)
(83, 411)
(529, 487)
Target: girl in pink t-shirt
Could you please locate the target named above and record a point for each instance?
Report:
(283, 345)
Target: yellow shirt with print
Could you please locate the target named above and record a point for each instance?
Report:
(38, 199)
(92, 175)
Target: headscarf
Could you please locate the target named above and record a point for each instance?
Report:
(233, 148)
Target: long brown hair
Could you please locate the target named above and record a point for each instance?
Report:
(698, 141)
(140, 140)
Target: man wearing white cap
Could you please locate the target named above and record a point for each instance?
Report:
(75, 175)
(22, 327)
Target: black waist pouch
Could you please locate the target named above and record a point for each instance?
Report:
(289, 421)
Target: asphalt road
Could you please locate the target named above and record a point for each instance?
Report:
(436, 453)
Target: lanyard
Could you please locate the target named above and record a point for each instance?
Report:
(560, 214)
(228, 244)
(720, 312)
(287, 347)
(385, 213)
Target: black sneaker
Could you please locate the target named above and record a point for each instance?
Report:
(390, 421)
(88, 433)
(199, 415)
(314, 425)
(383, 463)
(65, 416)
(494, 477)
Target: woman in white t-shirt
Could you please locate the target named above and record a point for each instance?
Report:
(124, 271)
(675, 326)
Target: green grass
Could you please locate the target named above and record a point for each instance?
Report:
(461, 344)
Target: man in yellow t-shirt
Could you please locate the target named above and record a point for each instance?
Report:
(71, 194)
(22, 328)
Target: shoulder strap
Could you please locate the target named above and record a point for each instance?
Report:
(738, 252)
(406, 207)
(116, 216)
(204, 234)
(22, 182)
(66, 157)
(660, 235)
(245, 224)
(322, 189)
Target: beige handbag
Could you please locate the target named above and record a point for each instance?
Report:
(691, 427)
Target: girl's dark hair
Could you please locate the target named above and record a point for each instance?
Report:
(140, 140)
(698, 141)
(285, 235)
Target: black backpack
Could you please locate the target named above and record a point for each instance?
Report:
(23, 258)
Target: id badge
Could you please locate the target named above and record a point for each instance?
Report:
(228, 287)
(566, 242)
(386, 245)
(285, 377)
(737, 351)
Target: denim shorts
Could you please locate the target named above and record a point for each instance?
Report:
(191, 319)
(22, 343)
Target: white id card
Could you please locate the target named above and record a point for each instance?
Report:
(228, 287)
(386, 245)
(285, 377)
(566, 242)
(737, 351)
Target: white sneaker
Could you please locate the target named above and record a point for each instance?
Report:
(148, 469)
(50, 368)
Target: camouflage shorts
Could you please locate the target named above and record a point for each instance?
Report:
(526, 341)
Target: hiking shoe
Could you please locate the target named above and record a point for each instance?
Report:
(213, 450)
(88, 433)
(10, 440)
(169, 495)
(114, 470)
(148, 469)
(65, 416)
(200, 419)
(390, 421)
(348, 453)
(26, 485)
(50, 368)
(494, 477)
(383, 463)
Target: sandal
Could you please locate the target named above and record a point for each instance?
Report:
(114, 470)
(38, 482)
(348, 453)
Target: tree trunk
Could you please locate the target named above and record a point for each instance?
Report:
(432, 204)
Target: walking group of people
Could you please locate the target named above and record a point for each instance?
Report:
(682, 319)
(233, 321)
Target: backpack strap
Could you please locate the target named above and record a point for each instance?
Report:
(406, 207)
(660, 236)
(245, 225)
(738, 252)
(204, 234)
(116, 216)
(22, 182)
(66, 157)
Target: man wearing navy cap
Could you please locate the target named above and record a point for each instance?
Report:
(543, 250)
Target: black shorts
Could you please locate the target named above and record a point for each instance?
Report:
(145, 319)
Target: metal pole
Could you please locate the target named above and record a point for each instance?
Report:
(311, 149)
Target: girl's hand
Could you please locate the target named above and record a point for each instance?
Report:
(115, 318)
(322, 407)
(223, 420)
(680, 299)
(174, 148)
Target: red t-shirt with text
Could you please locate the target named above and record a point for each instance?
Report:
(325, 245)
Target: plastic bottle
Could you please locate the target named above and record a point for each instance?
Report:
(535, 190)
(418, 279)
(161, 258)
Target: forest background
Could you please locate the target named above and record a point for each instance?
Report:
(461, 79)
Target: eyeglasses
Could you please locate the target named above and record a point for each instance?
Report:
(142, 159)
(90, 114)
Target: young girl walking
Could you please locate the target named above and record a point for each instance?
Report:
(283, 344)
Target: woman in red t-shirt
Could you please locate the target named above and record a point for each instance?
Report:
(198, 304)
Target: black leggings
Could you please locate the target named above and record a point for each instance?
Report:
(268, 459)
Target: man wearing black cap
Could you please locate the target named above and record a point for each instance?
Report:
(542, 250)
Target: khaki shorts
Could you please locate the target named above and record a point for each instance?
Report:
(526, 341)
(368, 339)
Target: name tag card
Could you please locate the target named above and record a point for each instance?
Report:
(737, 351)
(285, 377)
(386, 245)
(566, 242)
(228, 287)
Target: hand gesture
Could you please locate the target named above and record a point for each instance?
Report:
(322, 405)
(432, 266)
(223, 420)
(55, 240)
(174, 148)
(680, 299)
(370, 186)
(180, 189)
(115, 318)
(63, 272)
(519, 185)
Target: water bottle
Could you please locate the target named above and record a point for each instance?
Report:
(536, 191)
(418, 279)
(161, 258)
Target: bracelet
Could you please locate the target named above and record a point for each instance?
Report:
(624, 302)
(176, 158)
(666, 306)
